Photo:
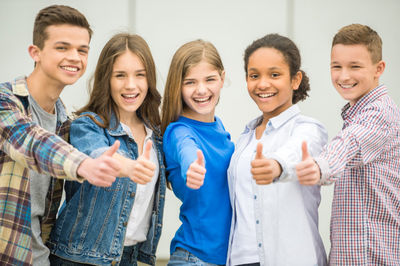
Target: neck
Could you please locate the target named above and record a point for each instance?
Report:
(131, 121)
(44, 91)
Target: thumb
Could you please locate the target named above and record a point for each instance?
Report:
(200, 157)
(304, 150)
(259, 154)
(147, 149)
(112, 149)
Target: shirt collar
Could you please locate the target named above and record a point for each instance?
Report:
(20, 88)
(349, 111)
(276, 121)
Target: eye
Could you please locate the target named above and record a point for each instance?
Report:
(211, 79)
(253, 76)
(336, 67)
(355, 66)
(83, 51)
(275, 75)
(141, 74)
(61, 48)
(188, 82)
(119, 75)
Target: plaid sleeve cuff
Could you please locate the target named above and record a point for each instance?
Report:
(71, 164)
(324, 169)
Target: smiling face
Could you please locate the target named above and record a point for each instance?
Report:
(128, 85)
(63, 59)
(200, 91)
(269, 83)
(352, 71)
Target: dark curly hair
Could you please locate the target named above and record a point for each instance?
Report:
(292, 57)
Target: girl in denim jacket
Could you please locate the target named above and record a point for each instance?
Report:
(119, 225)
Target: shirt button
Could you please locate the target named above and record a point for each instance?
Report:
(132, 194)
(125, 224)
(257, 222)
(255, 196)
(259, 245)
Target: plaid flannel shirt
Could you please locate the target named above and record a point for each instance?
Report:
(364, 162)
(23, 146)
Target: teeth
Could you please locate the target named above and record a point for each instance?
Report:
(202, 99)
(266, 95)
(74, 69)
(345, 86)
(129, 95)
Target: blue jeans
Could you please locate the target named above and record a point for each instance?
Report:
(129, 258)
(182, 257)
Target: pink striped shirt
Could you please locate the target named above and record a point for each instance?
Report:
(364, 162)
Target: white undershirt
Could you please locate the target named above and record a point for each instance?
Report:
(244, 244)
(139, 219)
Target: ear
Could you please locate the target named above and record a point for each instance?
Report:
(296, 80)
(223, 76)
(34, 52)
(380, 67)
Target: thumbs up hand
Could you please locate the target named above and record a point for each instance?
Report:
(142, 170)
(196, 172)
(103, 170)
(307, 170)
(264, 170)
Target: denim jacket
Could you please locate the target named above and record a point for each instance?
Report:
(92, 226)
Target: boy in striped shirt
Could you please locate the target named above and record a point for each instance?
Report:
(363, 159)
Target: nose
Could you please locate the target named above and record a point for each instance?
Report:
(130, 82)
(201, 88)
(344, 74)
(73, 55)
(264, 83)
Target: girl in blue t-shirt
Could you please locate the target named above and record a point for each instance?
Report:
(198, 152)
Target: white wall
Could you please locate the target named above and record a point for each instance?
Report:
(231, 26)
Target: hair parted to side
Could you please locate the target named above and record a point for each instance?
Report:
(101, 102)
(360, 34)
(292, 57)
(57, 15)
(187, 56)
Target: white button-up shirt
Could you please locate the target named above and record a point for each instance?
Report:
(285, 213)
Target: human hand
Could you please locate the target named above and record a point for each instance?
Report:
(103, 170)
(264, 170)
(196, 172)
(307, 170)
(141, 170)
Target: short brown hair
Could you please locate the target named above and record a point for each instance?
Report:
(360, 34)
(187, 56)
(57, 15)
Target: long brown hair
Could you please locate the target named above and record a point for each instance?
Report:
(187, 56)
(101, 102)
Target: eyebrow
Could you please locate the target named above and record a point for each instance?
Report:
(68, 44)
(210, 76)
(123, 71)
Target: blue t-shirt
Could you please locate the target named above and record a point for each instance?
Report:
(205, 213)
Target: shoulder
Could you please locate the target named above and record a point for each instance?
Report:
(87, 118)
(176, 130)
(380, 111)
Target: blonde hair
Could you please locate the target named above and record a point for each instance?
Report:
(187, 56)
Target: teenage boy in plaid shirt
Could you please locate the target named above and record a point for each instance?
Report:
(34, 157)
(363, 159)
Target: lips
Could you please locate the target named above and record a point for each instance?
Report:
(130, 97)
(266, 95)
(347, 86)
(202, 99)
(70, 68)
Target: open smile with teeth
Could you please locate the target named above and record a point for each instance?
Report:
(70, 68)
(130, 96)
(202, 99)
(266, 95)
(347, 86)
